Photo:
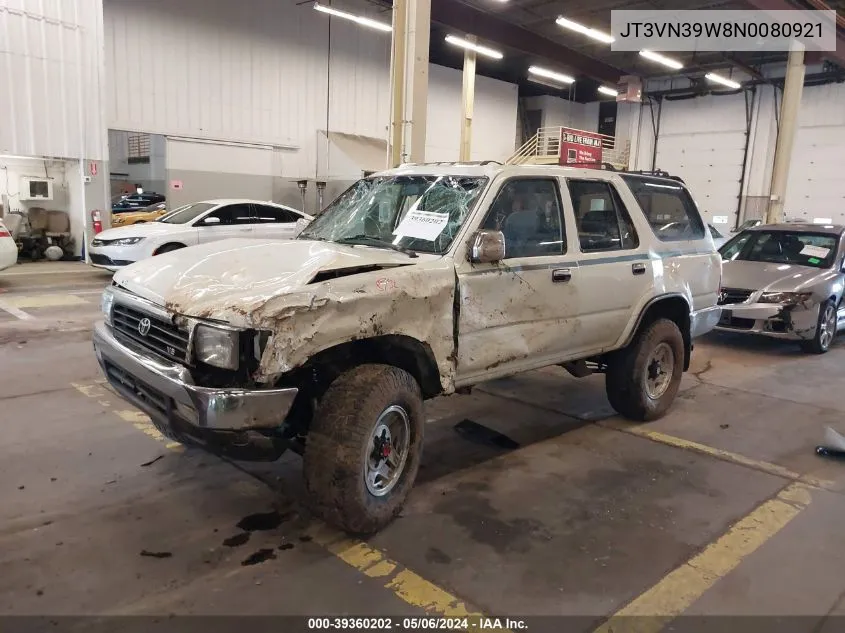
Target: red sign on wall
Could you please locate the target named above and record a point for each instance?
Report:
(92, 168)
(579, 148)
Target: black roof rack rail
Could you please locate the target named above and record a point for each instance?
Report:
(659, 173)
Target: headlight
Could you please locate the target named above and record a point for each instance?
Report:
(106, 304)
(126, 241)
(216, 347)
(789, 298)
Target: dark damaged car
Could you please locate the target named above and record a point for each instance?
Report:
(785, 281)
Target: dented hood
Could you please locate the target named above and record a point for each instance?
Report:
(770, 276)
(240, 275)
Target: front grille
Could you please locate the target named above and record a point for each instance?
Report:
(733, 295)
(104, 260)
(162, 338)
(145, 393)
(737, 323)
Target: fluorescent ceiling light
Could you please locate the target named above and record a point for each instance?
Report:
(610, 92)
(550, 74)
(662, 59)
(373, 24)
(722, 80)
(481, 50)
(585, 30)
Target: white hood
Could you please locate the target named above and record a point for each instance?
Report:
(145, 229)
(243, 274)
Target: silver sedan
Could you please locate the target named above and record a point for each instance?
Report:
(785, 281)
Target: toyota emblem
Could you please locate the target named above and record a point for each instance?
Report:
(144, 326)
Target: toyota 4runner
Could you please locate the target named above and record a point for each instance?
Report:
(416, 282)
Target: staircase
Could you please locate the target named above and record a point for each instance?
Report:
(544, 149)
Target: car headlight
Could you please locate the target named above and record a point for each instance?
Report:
(126, 241)
(789, 298)
(216, 346)
(106, 304)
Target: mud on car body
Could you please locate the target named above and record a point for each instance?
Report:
(785, 281)
(416, 282)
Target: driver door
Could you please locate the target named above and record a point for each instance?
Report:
(520, 312)
(232, 220)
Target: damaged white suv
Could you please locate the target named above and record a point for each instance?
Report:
(417, 282)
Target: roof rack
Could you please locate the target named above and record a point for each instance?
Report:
(655, 172)
(453, 162)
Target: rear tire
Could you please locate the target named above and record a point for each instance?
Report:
(370, 418)
(825, 330)
(642, 380)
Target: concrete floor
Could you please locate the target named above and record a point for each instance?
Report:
(720, 508)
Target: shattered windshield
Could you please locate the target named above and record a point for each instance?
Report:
(408, 213)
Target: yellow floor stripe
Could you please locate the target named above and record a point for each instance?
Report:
(736, 458)
(679, 589)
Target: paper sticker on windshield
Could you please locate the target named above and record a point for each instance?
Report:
(815, 251)
(422, 225)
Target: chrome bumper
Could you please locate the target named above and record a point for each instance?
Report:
(794, 323)
(702, 321)
(165, 391)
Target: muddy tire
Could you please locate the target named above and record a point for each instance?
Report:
(825, 330)
(643, 379)
(370, 420)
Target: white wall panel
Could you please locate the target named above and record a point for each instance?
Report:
(51, 63)
(816, 186)
(263, 71)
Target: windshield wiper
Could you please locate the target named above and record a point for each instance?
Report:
(358, 239)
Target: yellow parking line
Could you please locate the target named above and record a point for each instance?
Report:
(44, 301)
(727, 456)
(672, 595)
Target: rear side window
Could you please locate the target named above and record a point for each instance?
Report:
(668, 208)
(601, 217)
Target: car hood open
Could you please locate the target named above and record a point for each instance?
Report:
(769, 276)
(238, 276)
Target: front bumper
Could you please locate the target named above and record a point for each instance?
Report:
(178, 408)
(702, 321)
(793, 322)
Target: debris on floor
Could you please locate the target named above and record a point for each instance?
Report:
(149, 554)
(237, 540)
(260, 556)
(834, 444)
(151, 462)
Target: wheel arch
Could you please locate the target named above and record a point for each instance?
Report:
(158, 249)
(674, 307)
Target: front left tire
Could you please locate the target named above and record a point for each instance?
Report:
(363, 449)
(825, 330)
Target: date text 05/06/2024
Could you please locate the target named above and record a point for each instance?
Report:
(416, 624)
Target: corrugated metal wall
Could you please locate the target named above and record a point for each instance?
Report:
(51, 63)
(263, 72)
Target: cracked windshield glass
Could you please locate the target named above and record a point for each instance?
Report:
(407, 213)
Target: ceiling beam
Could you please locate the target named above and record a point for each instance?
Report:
(486, 26)
(837, 56)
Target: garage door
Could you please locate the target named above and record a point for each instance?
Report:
(703, 140)
(816, 186)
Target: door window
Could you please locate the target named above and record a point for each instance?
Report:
(230, 215)
(527, 211)
(602, 219)
(265, 214)
(669, 208)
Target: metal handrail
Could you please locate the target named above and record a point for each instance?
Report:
(546, 145)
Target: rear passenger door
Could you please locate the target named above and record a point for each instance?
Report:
(274, 222)
(615, 274)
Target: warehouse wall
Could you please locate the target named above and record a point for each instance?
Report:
(50, 62)
(281, 76)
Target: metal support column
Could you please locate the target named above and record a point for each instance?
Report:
(792, 89)
(397, 84)
(416, 59)
(467, 103)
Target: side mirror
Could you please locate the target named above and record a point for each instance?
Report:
(210, 221)
(487, 247)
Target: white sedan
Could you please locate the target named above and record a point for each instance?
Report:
(8, 248)
(192, 224)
